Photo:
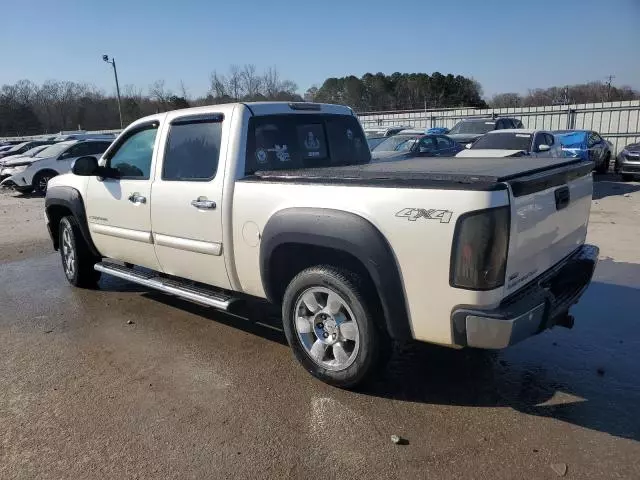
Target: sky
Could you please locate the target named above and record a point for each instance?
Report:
(507, 45)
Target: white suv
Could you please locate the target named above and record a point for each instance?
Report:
(34, 174)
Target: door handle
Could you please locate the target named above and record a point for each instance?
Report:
(137, 198)
(203, 203)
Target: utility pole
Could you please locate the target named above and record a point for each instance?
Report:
(115, 73)
(610, 79)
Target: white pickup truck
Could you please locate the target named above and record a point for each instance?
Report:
(228, 203)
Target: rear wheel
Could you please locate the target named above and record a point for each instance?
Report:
(41, 180)
(77, 259)
(604, 166)
(329, 323)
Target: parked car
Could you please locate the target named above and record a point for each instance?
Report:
(470, 129)
(20, 148)
(403, 146)
(384, 131)
(516, 142)
(628, 162)
(373, 142)
(35, 173)
(7, 165)
(219, 206)
(437, 131)
(587, 145)
(84, 136)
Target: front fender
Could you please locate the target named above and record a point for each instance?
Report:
(69, 199)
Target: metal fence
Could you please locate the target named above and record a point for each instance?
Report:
(618, 122)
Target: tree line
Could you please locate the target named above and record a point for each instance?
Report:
(400, 91)
(30, 109)
(592, 92)
(27, 108)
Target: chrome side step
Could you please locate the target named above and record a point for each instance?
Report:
(194, 293)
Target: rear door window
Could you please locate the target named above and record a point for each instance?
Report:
(277, 142)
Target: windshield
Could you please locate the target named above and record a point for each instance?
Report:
(32, 151)
(504, 141)
(53, 150)
(473, 127)
(375, 141)
(398, 143)
(17, 147)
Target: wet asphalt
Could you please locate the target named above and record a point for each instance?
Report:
(128, 383)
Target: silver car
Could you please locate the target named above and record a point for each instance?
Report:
(628, 162)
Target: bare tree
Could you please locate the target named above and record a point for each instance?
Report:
(235, 82)
(271, 82)
(159, 93)
(183, 90)
(218, 88)
(506, 100)
(250, 81)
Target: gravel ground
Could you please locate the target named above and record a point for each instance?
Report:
(187, 392)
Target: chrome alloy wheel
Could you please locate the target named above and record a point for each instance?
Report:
(327, 328)
(68, 253)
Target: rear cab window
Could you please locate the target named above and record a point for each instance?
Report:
(279, 142)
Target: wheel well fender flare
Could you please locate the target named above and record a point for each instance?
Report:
(343, 232)
(61, 200)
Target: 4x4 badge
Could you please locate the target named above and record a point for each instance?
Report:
(412, 214)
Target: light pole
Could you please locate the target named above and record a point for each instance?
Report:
(115, 73)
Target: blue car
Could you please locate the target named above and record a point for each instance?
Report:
(437, 131)
(586, 144)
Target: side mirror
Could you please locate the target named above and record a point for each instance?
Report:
(468, 145)
(85, 167)
(88, 167)
(543, 148)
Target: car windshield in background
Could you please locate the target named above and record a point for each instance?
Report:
(397, 143)
(278, 142)
(475, 127)
(53, 150)
(17, 147)
(504, 141)
(375, 141)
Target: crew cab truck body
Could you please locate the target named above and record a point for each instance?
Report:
(279, 201)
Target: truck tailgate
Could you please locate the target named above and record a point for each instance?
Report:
(549, 218)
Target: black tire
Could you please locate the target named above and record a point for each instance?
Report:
(626, 177)
(604, 167)
(79, 268)
(373, 341)
(41, 180)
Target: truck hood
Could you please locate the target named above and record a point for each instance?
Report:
(483, 153)
(465, 138)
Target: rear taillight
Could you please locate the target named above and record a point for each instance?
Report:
(480, 245)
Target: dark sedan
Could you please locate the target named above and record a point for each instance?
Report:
(401, 146)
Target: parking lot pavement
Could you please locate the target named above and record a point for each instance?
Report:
(187, 392)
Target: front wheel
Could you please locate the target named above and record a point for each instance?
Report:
(329, 323)
(77, 259)
(41, 181)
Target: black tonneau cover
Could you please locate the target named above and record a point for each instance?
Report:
(524, 174)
